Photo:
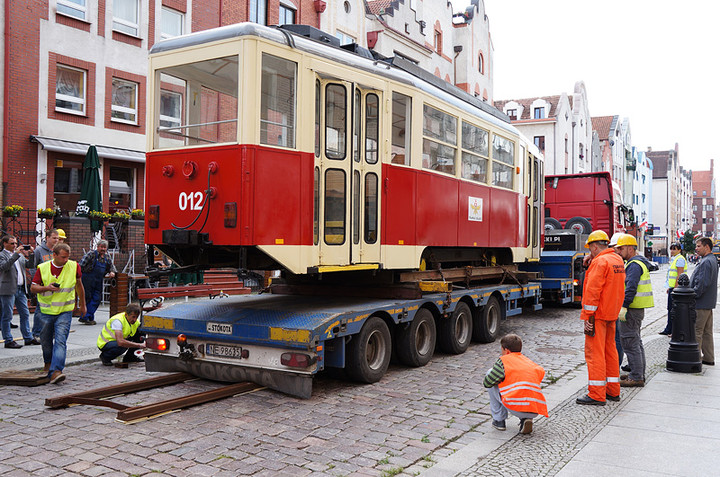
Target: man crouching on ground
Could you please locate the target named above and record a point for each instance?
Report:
(119, 336)
(514, 385)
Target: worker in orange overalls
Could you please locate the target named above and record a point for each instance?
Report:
(603, 294)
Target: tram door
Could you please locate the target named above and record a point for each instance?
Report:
(348, 173)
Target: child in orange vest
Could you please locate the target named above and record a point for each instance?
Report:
(514, 385)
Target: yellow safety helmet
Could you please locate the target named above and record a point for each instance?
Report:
(61, 233)
(627, 239)
(596, 236)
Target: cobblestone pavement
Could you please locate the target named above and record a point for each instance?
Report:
(402, 425)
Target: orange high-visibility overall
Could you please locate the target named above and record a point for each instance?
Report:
(603, 294)
(520, 390)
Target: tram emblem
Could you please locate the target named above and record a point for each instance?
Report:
(475, 206)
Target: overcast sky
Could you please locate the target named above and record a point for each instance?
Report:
(653, 61)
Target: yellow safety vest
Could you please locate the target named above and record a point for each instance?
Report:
(673, 271)
(644, 294)
(108, 334)
(64, 300)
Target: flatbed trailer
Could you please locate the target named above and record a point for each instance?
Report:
(282, 341)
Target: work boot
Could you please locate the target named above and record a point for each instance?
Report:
(526, 426)
(632, 383)
(587, 400)
(499, 425)
(610, 397)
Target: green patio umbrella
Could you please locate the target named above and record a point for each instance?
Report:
(90, 192)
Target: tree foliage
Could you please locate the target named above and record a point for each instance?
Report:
(688, 242)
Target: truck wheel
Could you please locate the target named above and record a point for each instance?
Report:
(552, 224)
(487, 321)
(456, 331)
(580, 224)
(369, 352)
(416, 342)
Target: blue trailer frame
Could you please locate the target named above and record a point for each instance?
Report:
(247, 338)
(557, 275)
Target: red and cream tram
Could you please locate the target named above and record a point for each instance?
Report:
(273, 149)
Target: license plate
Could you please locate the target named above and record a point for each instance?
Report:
(223, 351)
(221, 328)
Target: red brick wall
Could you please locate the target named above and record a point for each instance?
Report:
(206, 14)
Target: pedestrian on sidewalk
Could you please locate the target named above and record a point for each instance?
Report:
(603, 294)
(704, 282)
(57, 283)
(618, 342)
(638, 296)
(14, 290)
(42, 254)
(96, 265)
(120, 335)
(514, 385)
(676, 268)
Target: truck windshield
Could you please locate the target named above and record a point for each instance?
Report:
(198, 103)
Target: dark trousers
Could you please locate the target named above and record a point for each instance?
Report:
(112, 350)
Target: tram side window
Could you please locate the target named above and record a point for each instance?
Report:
(334, 207)
(277, 102)
(503, 154)
(440, 141)
(371, 208)
(335, 121)
(371, 128)
(316, 206)
(475, 153)
(401, 114)
(318, 108)
(356, 126)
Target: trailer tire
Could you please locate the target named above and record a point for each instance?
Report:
(416, 342)
(552, 224)
(455, 332)
(487, 321)
(369, 352)
(581, 224)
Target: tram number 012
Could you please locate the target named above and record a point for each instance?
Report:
(190, 200)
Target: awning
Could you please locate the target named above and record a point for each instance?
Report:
(81, 148)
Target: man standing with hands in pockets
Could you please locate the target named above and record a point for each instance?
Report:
(603, 294)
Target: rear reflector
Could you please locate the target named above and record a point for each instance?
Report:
(153, 216)
(160, 344)
(297, 360)
(230, 214)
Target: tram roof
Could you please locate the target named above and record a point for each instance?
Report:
(363, 59)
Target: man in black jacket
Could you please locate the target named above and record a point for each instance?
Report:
(704, 282)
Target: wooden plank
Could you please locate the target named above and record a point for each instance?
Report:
(458, 274)
(24, 378)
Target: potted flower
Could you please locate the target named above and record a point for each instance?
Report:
(98, 215)
(120, 216)
(12, 210)
(137, 214)
(46, 213)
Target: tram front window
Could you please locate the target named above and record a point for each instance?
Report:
(198, 103)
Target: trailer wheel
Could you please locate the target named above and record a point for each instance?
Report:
(580, 224)
(416, 342)
(369, 352)
(456, 331)
(552, 224)
(487, 321)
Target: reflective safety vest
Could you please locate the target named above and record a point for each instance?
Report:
(520, 390)
(644, 295)
(108, 334)
(673, 271)
(64, 300)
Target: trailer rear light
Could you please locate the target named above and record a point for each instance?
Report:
(297, 360)
(153, 216)
(160, 344)
(230, 214)
(182, 340)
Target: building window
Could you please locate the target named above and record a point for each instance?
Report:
(70, 90)
(73, 8)
(171, 23)
(346, 6)
(694, 193)
(539, 113)
(481, 64)
(124, 101)
(540, 142)
(258, 11)
(344, 39)
(437, 42)
(704, 193)
(287, 14)
(170, 109)
(125, 16)
(512, 114)
(121, 189)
